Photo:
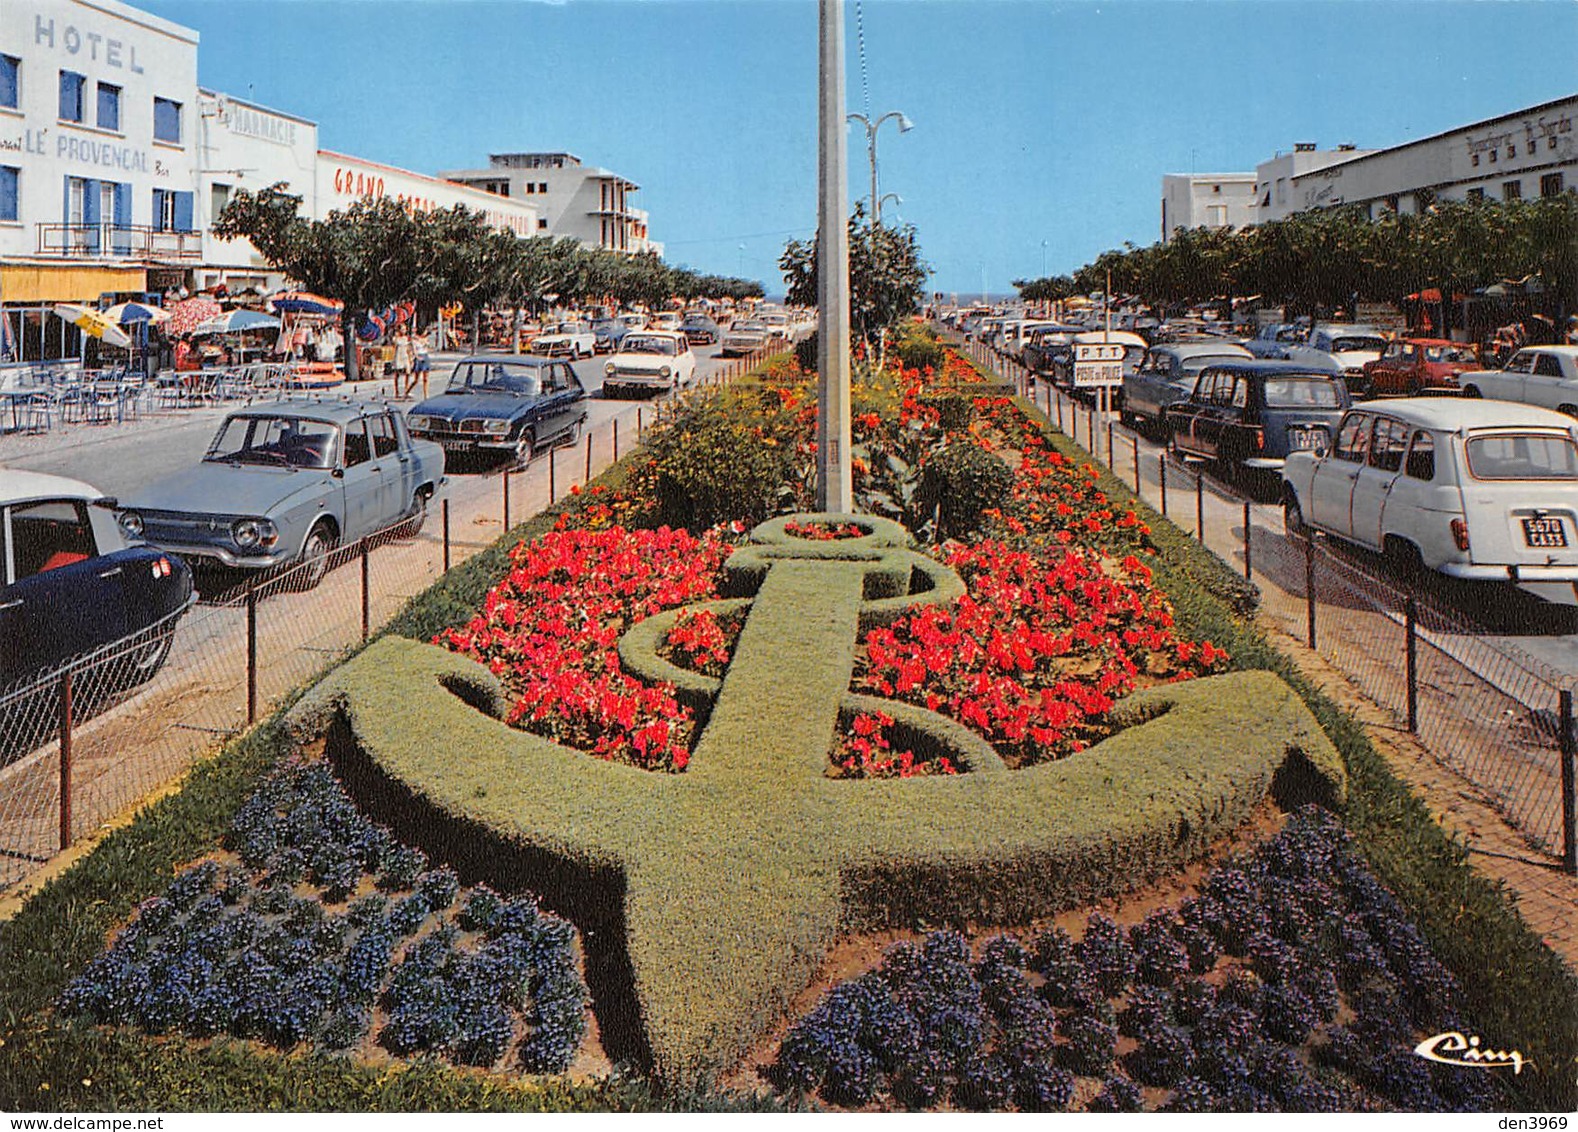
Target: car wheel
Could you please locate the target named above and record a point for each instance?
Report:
(525, 449)
(573, 436)
(313, 563)
(1570, 410)
(418, 515)
(1405, 558)
(1293, 517)
(1472, 392)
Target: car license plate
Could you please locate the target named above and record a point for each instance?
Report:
(1544, 532)
(456, 445)
(1302, 439)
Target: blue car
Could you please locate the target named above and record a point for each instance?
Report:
(1251, 414)
(73, 586)
(508, 406)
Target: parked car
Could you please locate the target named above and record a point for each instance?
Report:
(780, 330)
(746, 336)
(72, 584)
(1344, 348)
(503, 405)
(1252, 414)
(572, 338)
(1167, 376)
(1040, 351)
(653, 360)
(285, 482)
(1474, 489)
(1536, 375)
(606, 334)
(1409, 366)
(1273, 339)
(701, 330)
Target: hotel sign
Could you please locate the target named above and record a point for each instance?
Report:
(97, 47)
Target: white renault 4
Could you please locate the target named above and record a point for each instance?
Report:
(1479, 490)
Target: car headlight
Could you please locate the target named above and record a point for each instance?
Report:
(495, 426)
(664, 371)
(131, 523)
(253, 532)
(608, 367)
(419, 424)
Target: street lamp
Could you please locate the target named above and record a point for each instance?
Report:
(894, 197)
(905, 126)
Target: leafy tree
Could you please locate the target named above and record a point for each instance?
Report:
(887, 277)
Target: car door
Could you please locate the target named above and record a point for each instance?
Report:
(1543, 384)
(391, 465)
(1211, 424)
(361, 483)
(61, 598)
(1331, 491)
(1372, 489)
(1510, 383)
(1182, 417)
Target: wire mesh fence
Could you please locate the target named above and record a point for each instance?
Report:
(86, 742)
(1496, 717)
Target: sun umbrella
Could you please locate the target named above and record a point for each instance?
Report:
(93, 322)
(188, 314)
(125, 314)
(304, 302)
(232, 322)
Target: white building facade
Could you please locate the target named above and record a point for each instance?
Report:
(1276, 194)
(98, 161)
(1206, 200)
(591, 205)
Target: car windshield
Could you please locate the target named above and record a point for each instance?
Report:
(1345, 344)
(648, 344)
(1523, 456)
(750, 328)
(496, 377)
(560, 328)
(288, 442)
(1463, 354)
(1302, 392)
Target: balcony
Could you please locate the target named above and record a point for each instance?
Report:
(139, 242)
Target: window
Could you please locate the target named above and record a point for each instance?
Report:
(1476, 194)
(172, 211)
(218, 197)
(1529, 149)
(381, 429)
(1474, 160)
(1493, 157)
(1353, 439)
(1551, 185)
(542, 223)
(1391, 439)
(1422, 458)
(71, 85)
(109, 107)
(542, 186)
(531, 188)
(166, 120)
(1522, 362)
(1546, 365)
(1523, 456)
(10, 182)
(10, 75)
(1512, 151)
(49, 535)
(1511, 190)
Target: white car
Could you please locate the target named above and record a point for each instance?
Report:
(1481, 490)
(1345, 348)
(649, 359)
(665, 320)
(576, 339)
(779, 328)
(745, 337)
(1536, 375)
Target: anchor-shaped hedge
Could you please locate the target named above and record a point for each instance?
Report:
(707, 900)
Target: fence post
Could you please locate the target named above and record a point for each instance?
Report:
(252, 654)
(506, 497)
(1060, 427)
(1161, 479)
(1110, 458)
(1249, 562)
(65, 760)
(1136, 441)
(446, 534)
(362, 551)
(1199, 506)
(616, 440)
(553, 474)
(639, 422)
(1411, 642)
(1569, 750)
(588, 478)
(1309, 585)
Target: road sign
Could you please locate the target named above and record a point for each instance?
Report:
(1097, 364)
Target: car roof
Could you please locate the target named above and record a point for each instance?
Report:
(1566, 351)
(1435, 342)
(17, 486)
(1347, 329)
(1268, 367)
(337, 412)
(1196, 349)
(1453, 413)
(507, 359)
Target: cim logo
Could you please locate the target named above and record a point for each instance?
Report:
(1453, 1048)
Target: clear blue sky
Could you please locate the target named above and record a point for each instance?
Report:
(1034, 121)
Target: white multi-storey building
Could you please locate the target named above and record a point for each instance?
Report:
(1206, 200)
(590, 204)
(1276, 194)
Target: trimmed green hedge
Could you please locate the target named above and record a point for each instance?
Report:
(706, 939)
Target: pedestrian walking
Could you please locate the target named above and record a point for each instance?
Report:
(421, 363)
(402, 364)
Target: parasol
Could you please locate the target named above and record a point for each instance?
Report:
(232, 322)
(93, 322)
(188, 314)
(127, 314)
(304, 302)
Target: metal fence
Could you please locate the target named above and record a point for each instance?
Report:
(105, 733)
(1500, 720)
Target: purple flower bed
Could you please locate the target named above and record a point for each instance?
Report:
(1229, 1002)
(281, 948)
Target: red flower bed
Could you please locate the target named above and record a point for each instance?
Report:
(823, 532)
(550, 629)
(702, 641)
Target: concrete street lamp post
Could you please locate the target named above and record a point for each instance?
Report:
(834, 481)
